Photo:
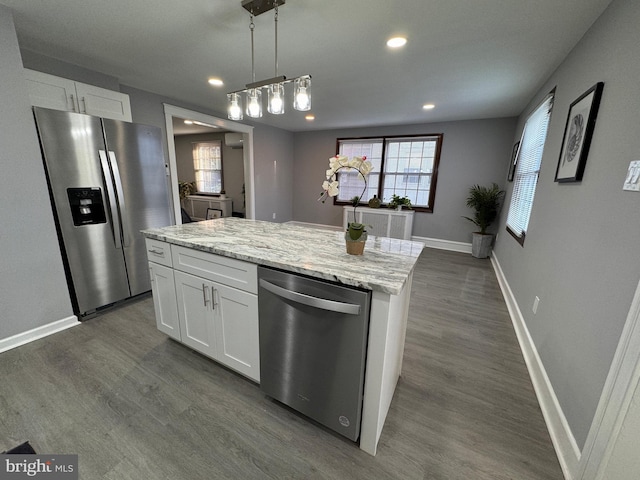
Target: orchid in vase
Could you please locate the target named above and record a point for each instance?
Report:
(330, 186)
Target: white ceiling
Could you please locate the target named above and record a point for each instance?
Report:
(472, 58)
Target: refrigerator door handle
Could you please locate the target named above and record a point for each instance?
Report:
(120, 192)
(311, 301)
(112, 198)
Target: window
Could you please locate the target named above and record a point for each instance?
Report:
(526, 175)
(207, 164)
(405, 166)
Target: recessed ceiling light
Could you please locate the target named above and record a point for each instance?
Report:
(397, 42)
(428, 106)
(310, 117)
(188, 122)
(216, 82)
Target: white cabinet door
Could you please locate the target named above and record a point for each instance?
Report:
(194, 295)
(164, 299)
(103, 103)
(49, 91)
(236, 317)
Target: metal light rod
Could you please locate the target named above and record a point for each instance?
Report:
(269, 81)
(257, 7)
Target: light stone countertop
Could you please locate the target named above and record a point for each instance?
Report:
(321, 253)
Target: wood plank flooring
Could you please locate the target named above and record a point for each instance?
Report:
(135, 405)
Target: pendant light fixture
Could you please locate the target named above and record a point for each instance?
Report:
(275, 86)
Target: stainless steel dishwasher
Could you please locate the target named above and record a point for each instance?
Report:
(313, 344)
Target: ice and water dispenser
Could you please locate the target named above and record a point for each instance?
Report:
(87, 206)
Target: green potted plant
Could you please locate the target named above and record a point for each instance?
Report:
(186, 188)
(397, 202)
(485, 201)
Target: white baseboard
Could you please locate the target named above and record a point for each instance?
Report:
(440, 244)
(563, 440)
(37, 333)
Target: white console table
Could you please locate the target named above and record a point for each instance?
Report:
(382, 222)
(196, 206)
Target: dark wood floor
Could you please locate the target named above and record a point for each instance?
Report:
(135, 405)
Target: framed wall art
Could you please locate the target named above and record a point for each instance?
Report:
(578, 131)
(514, 161)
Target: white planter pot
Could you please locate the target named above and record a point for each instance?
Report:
(481, 245)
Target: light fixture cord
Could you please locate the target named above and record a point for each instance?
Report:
(252, 26)
(276, 29)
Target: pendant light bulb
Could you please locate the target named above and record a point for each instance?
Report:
(254, 102)
(302, 94)
(234, 110)
(276, 99)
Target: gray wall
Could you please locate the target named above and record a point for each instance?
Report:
(581, 252)
(232, 165)
(474, 151)
(274, 174)
(33, 289)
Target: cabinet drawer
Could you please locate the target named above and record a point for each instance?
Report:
(158, 252)
(224, 270)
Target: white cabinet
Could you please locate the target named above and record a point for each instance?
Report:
(215, 302)
(195, 311)
(382, 222)
(163, 287)
(60, 93)
(197, 205)
(220, 322)
(164, 299)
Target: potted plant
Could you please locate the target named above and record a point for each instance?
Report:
(356, 234)
(485, 201)
(186, 188)
(397, 202)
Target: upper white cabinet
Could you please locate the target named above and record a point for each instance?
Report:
(60, 93)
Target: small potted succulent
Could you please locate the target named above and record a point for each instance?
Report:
(485, 201)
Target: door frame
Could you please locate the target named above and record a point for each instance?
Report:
(171, 111)
(615, 400)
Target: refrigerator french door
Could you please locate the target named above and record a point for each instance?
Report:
(106, 182)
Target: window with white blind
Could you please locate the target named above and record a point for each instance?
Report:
(406, 166)
(528, 168)
(207, 164)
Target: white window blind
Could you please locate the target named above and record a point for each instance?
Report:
(207, 165)
(528, 168)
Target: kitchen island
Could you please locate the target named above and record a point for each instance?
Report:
(226, 252)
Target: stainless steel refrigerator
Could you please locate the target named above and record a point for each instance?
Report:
(107, 182)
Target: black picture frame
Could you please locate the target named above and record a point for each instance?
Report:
(514, 161)
(578, 131)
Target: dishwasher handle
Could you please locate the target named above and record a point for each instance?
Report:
(311, 301)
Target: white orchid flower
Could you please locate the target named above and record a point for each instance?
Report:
(330, 187)
(365, 167)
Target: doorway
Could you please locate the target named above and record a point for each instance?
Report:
(214, 123)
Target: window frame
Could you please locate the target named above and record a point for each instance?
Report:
(519, 175)
(438, 137)
(195, 145)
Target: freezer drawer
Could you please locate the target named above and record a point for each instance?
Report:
(313, 343)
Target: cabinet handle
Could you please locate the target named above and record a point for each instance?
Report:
(84, 104)
(73, 102)
(156, 252)
(204, 294)
(213, 297)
